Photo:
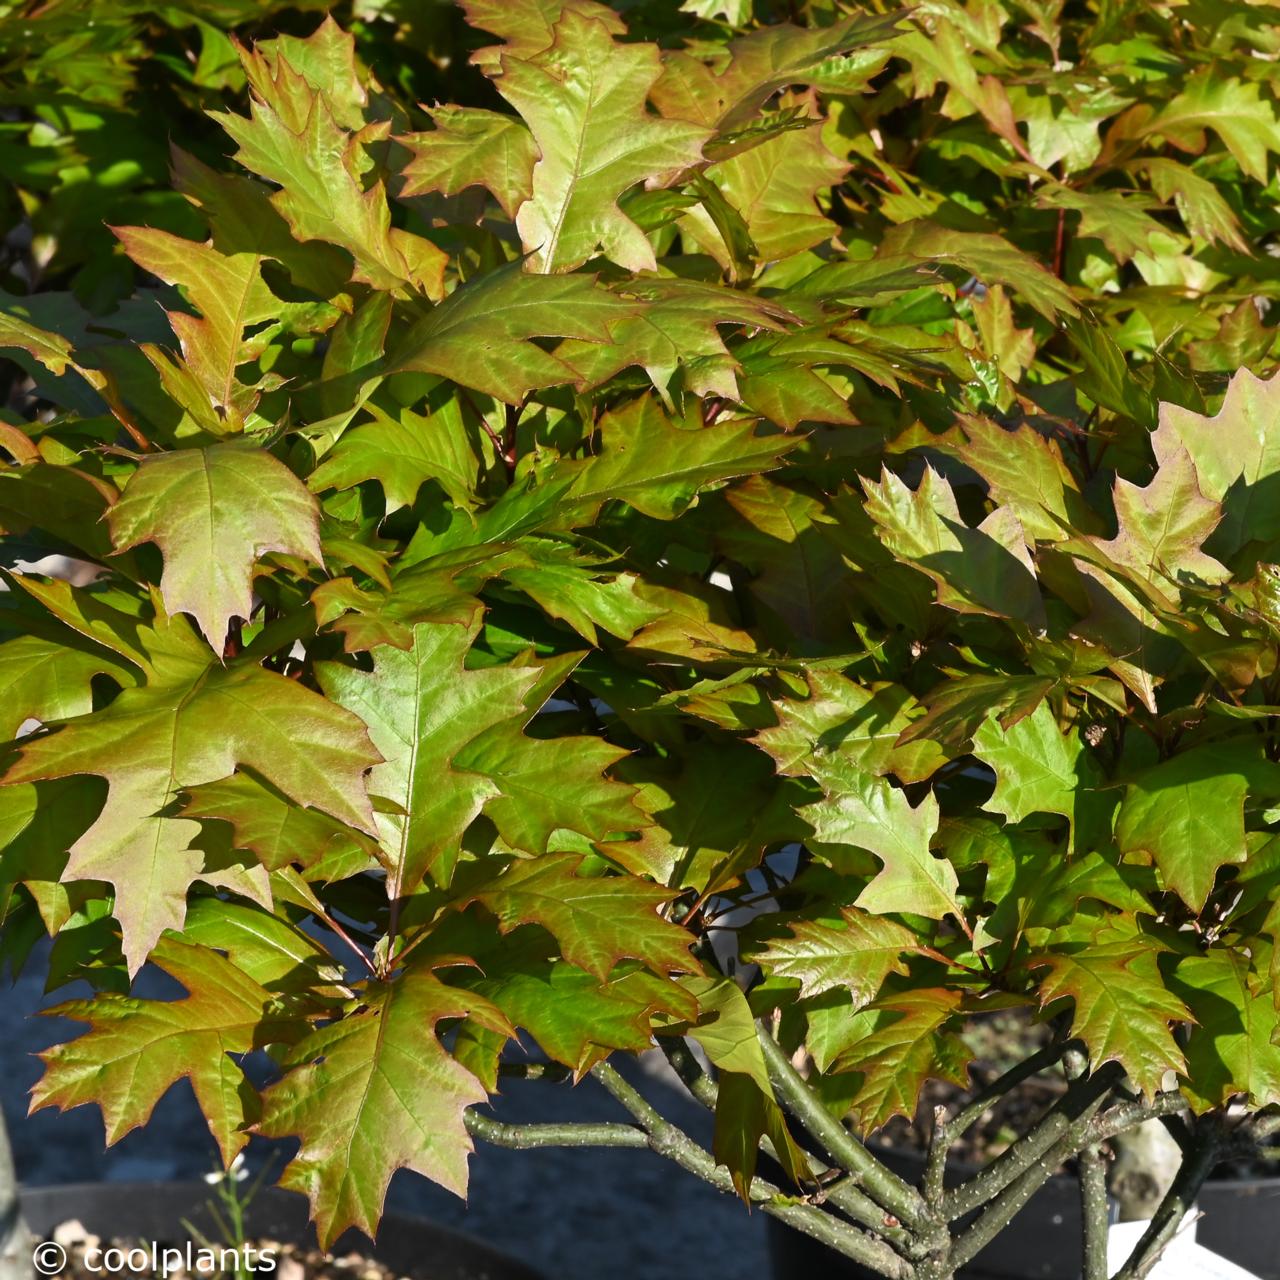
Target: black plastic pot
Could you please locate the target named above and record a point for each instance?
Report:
(1241, 1222)
(155, 1211)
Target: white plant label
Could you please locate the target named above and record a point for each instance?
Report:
(1183, 1259)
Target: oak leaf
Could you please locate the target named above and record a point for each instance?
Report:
(583, 98)
(213, 512)
(135, 1050)
(192, 725)
(373, 1092)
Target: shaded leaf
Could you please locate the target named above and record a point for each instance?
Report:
(597, 920)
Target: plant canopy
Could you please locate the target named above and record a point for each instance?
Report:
(751, 532)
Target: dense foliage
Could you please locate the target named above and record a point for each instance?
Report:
(92, 92)
(721, 463)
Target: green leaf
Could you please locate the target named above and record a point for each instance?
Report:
(726, 1029)
(135, 1049)
(797, 573)
(214, 512)
(774, 186)
(696, 625)
(39, 822)
(1163, 526)
(529, 28)
(895, 1046)
(1231, 1049)
(575, 1018)
(944, 51)
(352, 360)
(578, 1020)
(1040, 888)
(154, 742)
(778, 379)
(712, 813)
(678, 325)
(373, 1092)
(1234, 109)
(480, 336)
(990, 258)
(277, 831)
(769, 59)
(737, 13)
(657, 467)
(231, 296)
(64, 501)
(1236, 453)
(545, 786)
(983, 570)
(869, 813)
(843, 724)
(403, 453)
(470, 147)
(1200, 203)
(1065, 128)
(275, 953)
(1012, 349)
(306, 133)
(1121, 222)
(597, 920)
(1106, 377)
(1242, 341)
(746, 1113)
(857, 955)
(244, 219)
(583, 98)
(18, 333)
(958, 708)
(1186, 814)
(569, 585)
(422, 707)
(108, 618)
(1122, 1009)
(44, 680)
(1038, 768)
(431, 718)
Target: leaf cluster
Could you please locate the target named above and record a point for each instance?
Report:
(729, 499)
